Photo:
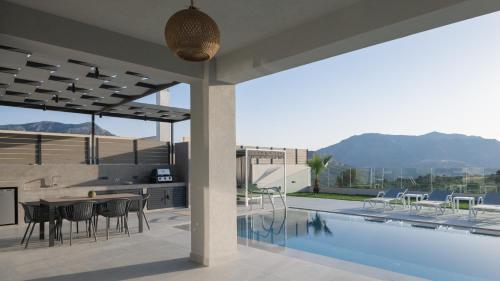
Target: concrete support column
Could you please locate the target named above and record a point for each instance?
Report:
(162, 128)
(213, 173)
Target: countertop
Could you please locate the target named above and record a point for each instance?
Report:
(129, 186)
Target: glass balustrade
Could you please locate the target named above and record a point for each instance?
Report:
(473, 180)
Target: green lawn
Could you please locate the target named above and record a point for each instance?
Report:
(330, 196)
(463, 205)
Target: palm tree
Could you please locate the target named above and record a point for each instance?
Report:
(319, 225)
(318, 165)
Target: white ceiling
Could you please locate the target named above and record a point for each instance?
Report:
(241, 21)
(259, 37)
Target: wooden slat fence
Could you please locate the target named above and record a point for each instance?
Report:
(26, 148)
(18, 148)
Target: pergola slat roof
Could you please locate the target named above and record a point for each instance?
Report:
(261, 153)
(31, 80)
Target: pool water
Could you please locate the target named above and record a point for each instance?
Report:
(436, 254)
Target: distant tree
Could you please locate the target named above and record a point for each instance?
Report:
(347, 177)
(497, 178)
(340, 179)
(318, 224)
(318, 164)
(353, 173)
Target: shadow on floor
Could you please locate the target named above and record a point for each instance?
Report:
(127, 272)
(9, 244)
(14, 244)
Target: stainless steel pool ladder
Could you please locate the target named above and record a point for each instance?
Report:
(277, 189)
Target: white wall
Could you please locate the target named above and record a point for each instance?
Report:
(267, 175)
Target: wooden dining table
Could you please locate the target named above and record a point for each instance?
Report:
(53, 203)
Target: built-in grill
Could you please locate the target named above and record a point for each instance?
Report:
(161, 175)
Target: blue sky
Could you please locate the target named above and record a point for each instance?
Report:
(446, 79)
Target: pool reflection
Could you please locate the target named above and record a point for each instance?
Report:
(436, 254)
(278, 226)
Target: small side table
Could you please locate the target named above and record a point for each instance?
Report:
(456, 203)
(408, 196)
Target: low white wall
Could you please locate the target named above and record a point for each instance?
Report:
(266, 175)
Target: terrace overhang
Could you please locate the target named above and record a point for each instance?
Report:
(258, 37)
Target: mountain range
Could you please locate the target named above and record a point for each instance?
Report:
(56, 127)
(433, 150)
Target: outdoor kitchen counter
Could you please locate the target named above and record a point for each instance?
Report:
(158, 194)
(40, 193)
(162, 195)
(127, 186)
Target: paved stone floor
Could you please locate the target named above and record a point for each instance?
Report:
(162, 254)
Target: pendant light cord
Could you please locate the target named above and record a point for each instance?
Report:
(192, 5)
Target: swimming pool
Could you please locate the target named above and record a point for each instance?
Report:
(437, 254)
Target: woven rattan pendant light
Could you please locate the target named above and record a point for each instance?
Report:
(192, 35)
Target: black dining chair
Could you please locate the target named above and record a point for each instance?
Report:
(116, 208)
(33, 214)
(78, 212)
(134, 208)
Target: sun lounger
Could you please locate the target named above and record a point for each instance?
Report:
(387, 198)
(489, 203)
(438, 199)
